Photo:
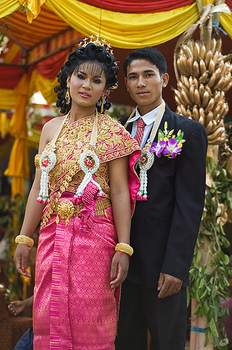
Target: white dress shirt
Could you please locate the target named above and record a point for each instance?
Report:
(148, 119)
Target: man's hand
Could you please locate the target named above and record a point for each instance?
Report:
(168, 285)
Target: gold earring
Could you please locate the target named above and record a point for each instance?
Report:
(67, 95)
(102, 102)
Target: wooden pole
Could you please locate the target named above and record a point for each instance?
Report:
(198, 324)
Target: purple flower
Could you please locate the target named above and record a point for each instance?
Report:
(172, 148)
(158, 148)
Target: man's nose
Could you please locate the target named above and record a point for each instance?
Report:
(141, 81)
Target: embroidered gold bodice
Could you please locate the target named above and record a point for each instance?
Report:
(113, 141)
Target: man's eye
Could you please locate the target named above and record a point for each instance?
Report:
(131, 77)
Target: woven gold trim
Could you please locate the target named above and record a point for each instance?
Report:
(36, 160)
(66, 209)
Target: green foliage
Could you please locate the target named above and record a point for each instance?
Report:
(12, 212)
(209, 279)
(24, 9)
(119, 111)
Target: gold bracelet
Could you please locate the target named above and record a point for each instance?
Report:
(24, 240)
(125, 248)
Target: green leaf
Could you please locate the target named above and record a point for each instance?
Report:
(213, 327)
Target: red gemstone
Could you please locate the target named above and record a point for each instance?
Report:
(143, 160)
(45, 162)
(89, 162)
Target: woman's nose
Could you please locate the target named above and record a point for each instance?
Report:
(87, 83)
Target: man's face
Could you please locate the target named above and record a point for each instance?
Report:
(145, 84)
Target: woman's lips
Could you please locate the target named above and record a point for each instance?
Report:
(84, 94)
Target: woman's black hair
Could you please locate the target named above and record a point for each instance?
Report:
(90, 53)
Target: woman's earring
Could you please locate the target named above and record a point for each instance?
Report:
(103, 102)
(67, 95)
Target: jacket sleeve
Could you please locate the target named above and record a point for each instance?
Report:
(189, 202)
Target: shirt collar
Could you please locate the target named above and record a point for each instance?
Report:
(148, 118)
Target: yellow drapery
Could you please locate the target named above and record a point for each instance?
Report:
(18, 167)
(33, 8)
(123, 30)
(8, 6)
(7, 99)
(45, 86)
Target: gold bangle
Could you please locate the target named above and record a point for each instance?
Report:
(125, 248)
(24, 240)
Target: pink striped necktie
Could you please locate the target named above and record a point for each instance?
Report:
(140, 130)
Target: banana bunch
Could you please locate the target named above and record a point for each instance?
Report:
(205, 77)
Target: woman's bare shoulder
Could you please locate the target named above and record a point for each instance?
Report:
(49, 130)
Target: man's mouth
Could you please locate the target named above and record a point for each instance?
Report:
(141, 93)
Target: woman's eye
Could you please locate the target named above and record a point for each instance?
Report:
(97, 81)
(81, 76)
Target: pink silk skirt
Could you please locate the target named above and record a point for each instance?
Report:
(74, 306)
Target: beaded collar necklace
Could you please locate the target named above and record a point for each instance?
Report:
(147, 158)
(89, 163)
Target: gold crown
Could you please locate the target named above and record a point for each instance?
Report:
(98, 41)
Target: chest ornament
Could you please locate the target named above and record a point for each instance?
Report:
(89, 163)
(147, 158)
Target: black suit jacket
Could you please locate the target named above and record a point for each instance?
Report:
(165, 227)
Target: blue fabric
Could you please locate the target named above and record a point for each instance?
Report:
(26, 341)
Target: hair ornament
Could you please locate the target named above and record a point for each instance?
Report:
(98, 41)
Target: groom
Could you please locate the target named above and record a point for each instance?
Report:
(165, 226)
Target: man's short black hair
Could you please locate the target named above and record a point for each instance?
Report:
(150, 54)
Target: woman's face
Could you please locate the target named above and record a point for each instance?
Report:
(87, 84)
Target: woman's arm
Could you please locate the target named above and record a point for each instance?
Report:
(120, 198)
(34, 209)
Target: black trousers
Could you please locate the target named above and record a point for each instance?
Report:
(141, 309)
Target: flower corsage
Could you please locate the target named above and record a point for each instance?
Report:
(168, 144)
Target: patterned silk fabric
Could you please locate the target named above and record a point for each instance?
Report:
(74, 306)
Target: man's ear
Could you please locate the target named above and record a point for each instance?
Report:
(165, 78)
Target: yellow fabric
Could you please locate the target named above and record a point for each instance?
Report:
(7, 99)
(8, 6)
(12, 53)
(18, 167)
(226, 22)
(33, 8)
(125, 30)
(45, 86)
(4, 125)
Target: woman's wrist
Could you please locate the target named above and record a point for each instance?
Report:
(124, 248)
(22, 239)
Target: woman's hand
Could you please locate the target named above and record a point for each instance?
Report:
(119, 269)
(20, 259)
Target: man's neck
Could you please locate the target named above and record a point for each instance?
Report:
(146, 109)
